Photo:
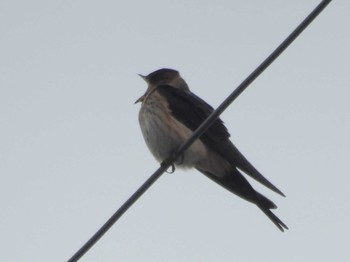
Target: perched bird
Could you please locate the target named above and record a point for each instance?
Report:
(170, 112)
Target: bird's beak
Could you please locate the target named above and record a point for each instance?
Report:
(143, 77)
(140, 99)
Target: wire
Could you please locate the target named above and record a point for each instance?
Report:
(199, 131)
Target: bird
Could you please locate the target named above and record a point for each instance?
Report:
(170, 113)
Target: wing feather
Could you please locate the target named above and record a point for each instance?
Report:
(191, 110)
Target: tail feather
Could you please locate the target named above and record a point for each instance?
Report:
(265, 202)
(265, 205)
(237, 184)
(281, 226)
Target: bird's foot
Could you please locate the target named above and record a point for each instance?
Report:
(172, 169)
(166, 163)
(170, 162)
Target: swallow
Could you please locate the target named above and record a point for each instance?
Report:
(169, 114)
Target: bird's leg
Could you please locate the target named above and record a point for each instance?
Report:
(171, 160)
(166, 163)
(172, 169)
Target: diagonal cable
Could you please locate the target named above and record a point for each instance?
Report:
(199, 131)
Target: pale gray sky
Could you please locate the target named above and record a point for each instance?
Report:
(71, 151)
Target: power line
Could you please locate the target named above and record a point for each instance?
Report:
(200, 130)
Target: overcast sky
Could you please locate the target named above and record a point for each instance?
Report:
(71, 150)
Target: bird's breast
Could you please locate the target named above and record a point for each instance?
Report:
(164, 134)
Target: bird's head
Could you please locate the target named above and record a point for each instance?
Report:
(164, 76)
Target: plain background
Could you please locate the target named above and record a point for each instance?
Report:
(71, 151)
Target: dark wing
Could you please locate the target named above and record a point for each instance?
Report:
(191, 111)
